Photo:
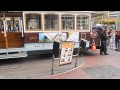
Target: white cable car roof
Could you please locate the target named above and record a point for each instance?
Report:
(93, 13)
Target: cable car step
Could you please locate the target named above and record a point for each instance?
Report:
(13, 55)
(12, 50)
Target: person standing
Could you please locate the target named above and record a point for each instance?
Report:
(109, 34)
(116, 40)
(103, 37)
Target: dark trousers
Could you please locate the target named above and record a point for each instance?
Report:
(103, 47)
(116, 44)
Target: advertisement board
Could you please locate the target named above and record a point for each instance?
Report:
(66, 52)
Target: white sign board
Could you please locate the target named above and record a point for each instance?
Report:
(66, 52)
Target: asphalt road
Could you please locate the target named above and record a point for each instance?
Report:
(34, 67)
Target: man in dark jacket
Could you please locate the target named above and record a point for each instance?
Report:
(82, 45)
(103, 36)
(116, 40)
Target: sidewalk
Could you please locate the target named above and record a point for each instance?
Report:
(96, 66)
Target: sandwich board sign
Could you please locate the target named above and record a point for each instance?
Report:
(66, 52)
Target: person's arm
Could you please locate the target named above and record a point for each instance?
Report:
(104, 36)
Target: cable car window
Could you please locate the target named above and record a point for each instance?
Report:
(13, 24)
(1, 26)
(82, 22)
(67, 21)
(83, 35)
(33, 21)
(51, 21)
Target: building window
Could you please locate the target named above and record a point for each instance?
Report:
(33, 21)
(67, 22)
(51, 21)
(82, 22)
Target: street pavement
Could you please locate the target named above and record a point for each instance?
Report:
(96, 66)
(91, 65)
(34, 67)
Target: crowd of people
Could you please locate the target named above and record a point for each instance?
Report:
(109, 38)
(113, 38)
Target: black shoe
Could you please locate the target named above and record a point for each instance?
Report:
(106, 54)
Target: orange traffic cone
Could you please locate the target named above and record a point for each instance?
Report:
(93, 47)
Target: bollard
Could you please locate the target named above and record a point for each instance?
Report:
(52, 64)
(119, 46)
